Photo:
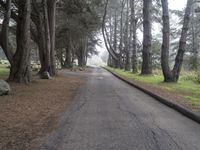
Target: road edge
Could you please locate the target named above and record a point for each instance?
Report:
(184, 111)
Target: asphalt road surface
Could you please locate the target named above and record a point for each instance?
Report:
(108, 114)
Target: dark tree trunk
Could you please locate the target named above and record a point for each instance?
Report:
(45, 23)
(133, 37)
(107, 43)
(52, 19)
(121, 63)
(165, 45)
(82, 53)
(4, 41)
(194, 62)
(115, 33)
(126, 38)
(182, 44)
(47, 41)
(173, 75)
(40, 39)
(20, 66)
(147, 37)
(68, 59)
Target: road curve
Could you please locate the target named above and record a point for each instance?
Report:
(108, 114)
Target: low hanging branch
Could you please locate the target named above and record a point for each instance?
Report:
(4, 41)
(104, 31)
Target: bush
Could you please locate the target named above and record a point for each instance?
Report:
(198, 77)
(191, 76)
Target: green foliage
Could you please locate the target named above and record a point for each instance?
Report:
(198, 77)
(191, 76)
(4, 71)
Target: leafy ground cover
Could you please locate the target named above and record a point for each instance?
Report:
(31, 111)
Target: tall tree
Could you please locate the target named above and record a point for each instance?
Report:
(173, 75)
(109, 47)
(20, 70)
(4, 41)
(147, 37)
(133, 37)
(126, 40)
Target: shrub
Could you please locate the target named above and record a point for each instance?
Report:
(189, 76)
(198, 77)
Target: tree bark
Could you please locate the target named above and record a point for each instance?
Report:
(68, 53)
(194, 65)
(107, 44)
(81, 53)
(52, 19)
(127, 47)
(4, 41)
(173, 75)
(147, 37)
(182, 43)
(166, 41)
(121, 62)
(20, 67)
(133, 37)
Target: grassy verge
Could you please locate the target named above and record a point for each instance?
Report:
(4, 71)
(188, 88)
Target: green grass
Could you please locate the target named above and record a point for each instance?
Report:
(190, 88)
(4, 71)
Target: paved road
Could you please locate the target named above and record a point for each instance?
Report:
(108, 114)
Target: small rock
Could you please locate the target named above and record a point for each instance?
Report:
(81, 69)
(45, 75)
(4, 88)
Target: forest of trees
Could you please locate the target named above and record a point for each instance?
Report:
(64, 30)
(174, 45)
(61, 30)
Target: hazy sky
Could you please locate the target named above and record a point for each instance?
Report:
(177, 4)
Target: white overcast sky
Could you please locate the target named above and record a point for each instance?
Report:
(177, 4)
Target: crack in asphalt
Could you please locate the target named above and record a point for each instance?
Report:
(105, 116)
(142, 125)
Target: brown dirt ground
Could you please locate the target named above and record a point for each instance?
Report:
(31, 111)
(178, 98)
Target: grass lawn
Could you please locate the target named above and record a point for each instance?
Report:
(187, 87)
(3, 71)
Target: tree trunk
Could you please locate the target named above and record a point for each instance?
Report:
(147, 37)
(182, 43)
(82, 52)
(165, 45)
(47, 50)
(68, 60)
(4, 41)
(133, 37)
(194, 65)
(127, 48)
(52, 20)
(107, 43)
(20, 66)
(121, 63)
(173, 75)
